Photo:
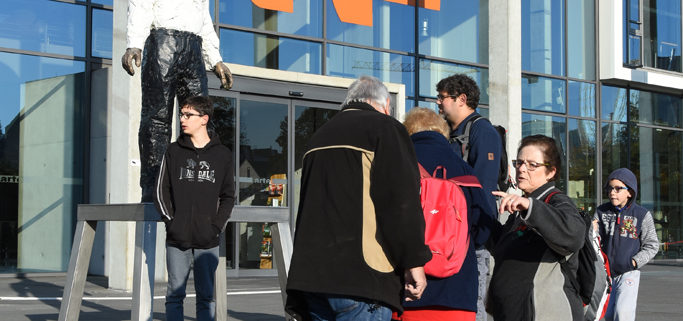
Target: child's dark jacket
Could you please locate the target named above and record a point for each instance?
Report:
(627, 233)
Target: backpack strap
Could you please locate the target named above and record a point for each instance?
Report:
(466, 180)
(547, 198)
(423, 172)
(464, 139)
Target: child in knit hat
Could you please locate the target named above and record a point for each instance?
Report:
(629, 239)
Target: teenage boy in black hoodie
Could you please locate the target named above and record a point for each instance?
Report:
(628, 238)
(195, 194)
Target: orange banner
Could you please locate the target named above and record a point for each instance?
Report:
(278, 5)
(354, 11)
(350, 11)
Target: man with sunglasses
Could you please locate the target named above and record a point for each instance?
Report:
(629, 239)
(458, 98)
(194, 194)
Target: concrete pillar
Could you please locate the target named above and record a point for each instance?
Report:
(505, 69)
(123, 170)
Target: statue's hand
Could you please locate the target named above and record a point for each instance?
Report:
(224, 74)
(128, 57)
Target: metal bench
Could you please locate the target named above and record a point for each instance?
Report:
(146, 217)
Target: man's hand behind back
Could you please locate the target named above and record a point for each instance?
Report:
(416, 282)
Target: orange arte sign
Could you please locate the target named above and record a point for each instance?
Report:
(277, 5)
(350, 11)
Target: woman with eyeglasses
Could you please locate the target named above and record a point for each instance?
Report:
(533, 250)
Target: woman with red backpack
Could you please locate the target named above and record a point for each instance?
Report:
(453, 297)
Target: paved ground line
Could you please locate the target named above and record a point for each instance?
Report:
(158, 297)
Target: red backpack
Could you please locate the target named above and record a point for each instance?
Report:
(445, 211)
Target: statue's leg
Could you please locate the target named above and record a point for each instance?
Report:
(192, 80)
(158, 93)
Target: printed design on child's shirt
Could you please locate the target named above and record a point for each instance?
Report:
(204, 174)
(628, 229)
(609, 219)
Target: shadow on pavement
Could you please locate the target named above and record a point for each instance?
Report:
(248, 316)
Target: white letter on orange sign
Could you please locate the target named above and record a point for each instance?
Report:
(278, 5)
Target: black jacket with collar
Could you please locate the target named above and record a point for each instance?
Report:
(360, 222)
(528, 282)
(195, 192)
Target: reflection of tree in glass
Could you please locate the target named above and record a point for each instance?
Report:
(582, 162)
(307, 122)
(223, 122)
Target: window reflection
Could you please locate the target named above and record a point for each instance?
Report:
(263, 153)
(431, 72)
(614, 103)
(458, 31)
(582, 174)
(33, 25)
(662, 34)
(656, 159)
(657, 109)
(270, 52)
(102, 33)
(543, 36)
(351, 62)
(305, 18)
(581, 39)
(393, 25)
(550, 126)
(615, 141)
(540, 93)
(581, 99)
(42, 114)
(109, 2)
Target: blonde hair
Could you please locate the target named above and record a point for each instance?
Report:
(420, 119)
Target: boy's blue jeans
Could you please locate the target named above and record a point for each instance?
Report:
(327, 307)
(178, 263)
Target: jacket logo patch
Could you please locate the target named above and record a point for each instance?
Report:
(628, 229)
(491, 157)
(190, 173)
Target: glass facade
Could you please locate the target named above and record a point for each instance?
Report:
(44, 75)
(395, 41)
(652, 34)
(49, 49)
(639, 129)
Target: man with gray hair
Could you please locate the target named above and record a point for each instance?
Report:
(359, 244)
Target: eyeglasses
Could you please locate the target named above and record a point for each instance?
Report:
(609, 189)
(530, 165)
(441, 97)
(188, 115)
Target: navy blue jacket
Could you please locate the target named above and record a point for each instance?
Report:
(627, 233)
(460, 290)
(484, 157)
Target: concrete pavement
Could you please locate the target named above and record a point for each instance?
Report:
(258, 299)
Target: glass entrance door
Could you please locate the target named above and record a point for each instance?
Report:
(268, 148)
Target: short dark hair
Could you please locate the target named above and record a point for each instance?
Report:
(458, 84)
(549, 148)
(202, 104)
